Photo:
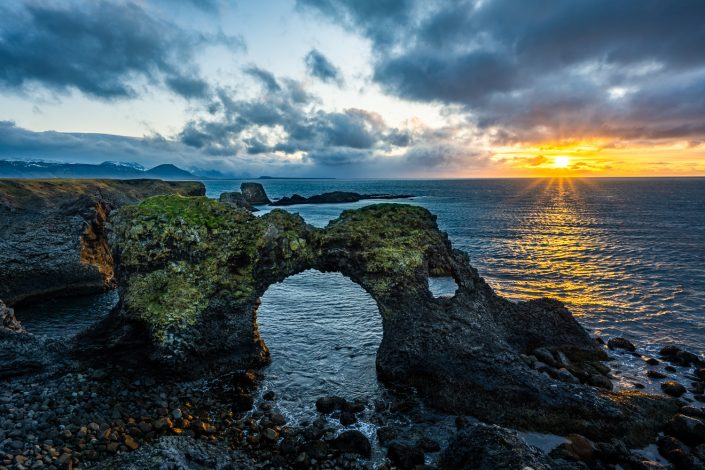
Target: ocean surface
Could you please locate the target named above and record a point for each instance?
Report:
(626, 255)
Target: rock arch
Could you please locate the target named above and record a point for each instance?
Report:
(190, 271)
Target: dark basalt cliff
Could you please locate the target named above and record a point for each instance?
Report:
(191, 270)
(52, 232)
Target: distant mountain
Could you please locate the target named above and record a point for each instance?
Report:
(107, 170)
(169, 172)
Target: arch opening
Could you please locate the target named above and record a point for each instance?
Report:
(323, 332)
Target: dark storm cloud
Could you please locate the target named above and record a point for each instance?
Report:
(284, 121)
(320, 67)
(543, 65)
(279, 117)
(99, 48)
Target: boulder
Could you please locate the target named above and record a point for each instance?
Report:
(254, 193)
(488, 447)
(236, 199)
(687, 429)
(621, 343)
(405, 457)
(8, 322)
(673, 388)
(353, 442)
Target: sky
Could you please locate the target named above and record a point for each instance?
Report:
(358, 88)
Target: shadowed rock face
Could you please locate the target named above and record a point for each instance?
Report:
(191, 270)
(52, 232)
(254, 193)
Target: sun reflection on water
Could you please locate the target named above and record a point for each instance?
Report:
(560, 239)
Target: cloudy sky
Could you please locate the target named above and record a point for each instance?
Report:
(358, 88)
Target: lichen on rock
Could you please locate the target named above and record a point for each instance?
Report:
(191, 271)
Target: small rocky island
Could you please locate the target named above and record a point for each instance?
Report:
(253, 194)
(167, 379)
(334, 197)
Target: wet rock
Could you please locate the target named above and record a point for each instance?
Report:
(545, 356)
(317, 449)
(236, 199)
(686, 429)
(327, 405)
(621, 343)
(565, 376)
(700, 373)
(428, 444)
(699, 452)
(489, 447)
(385, 435)
(652, 361)
(353, 442)
(673, 388)
(131, 443)
(653, 374)
(678, 454)
(8, 322)
(269, 395)
(180, 452)
(254, 193)
(582, 447)
(599, 380)
(405, 457)
(693, 412)
(270, 434)
(357, 406)
(676, 355)
(278, 419)
(347, 418)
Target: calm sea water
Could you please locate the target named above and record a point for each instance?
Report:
(626, 255)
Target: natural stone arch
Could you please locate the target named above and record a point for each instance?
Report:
(190, 271)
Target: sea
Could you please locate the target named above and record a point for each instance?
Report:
(626, 255)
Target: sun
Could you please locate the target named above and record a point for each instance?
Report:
(561, 161)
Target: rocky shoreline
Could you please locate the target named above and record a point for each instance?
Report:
(170, 379)
(77, 417)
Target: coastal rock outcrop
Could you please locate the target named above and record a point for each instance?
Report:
(236, 199)
(191, 270)
(52, 232)
(8, 322)
(334, 197)
(254, 193)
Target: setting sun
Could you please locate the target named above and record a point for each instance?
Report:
(561, 161)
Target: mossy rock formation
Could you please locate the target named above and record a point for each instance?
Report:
(191, 270)
(52, 232)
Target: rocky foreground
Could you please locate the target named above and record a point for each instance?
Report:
(167, 379)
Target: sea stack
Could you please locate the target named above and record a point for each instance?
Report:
(254, 193)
